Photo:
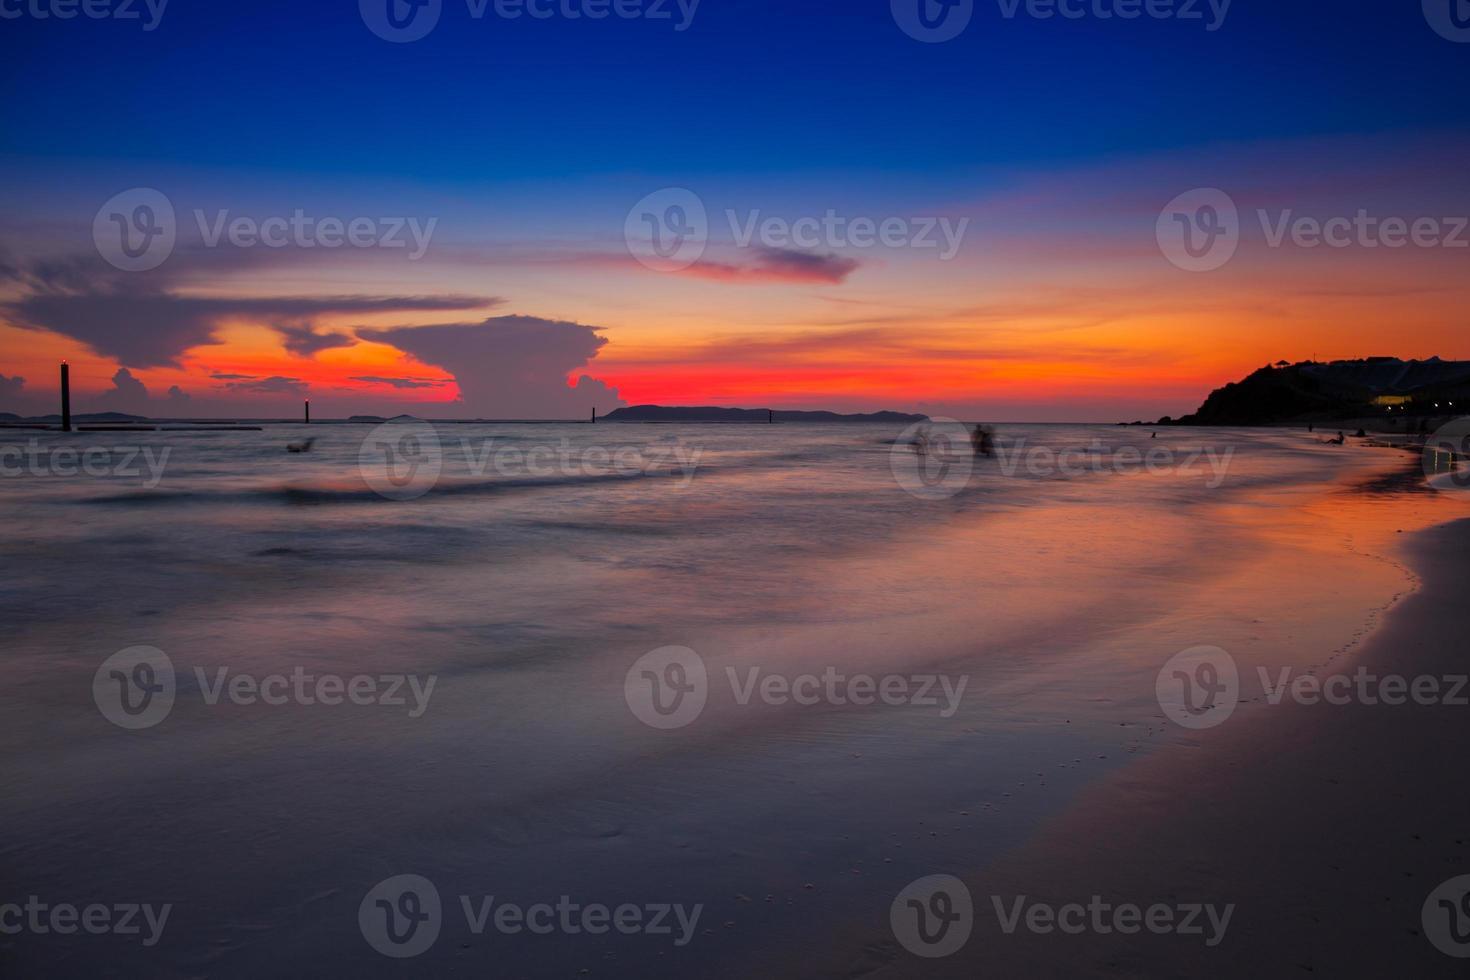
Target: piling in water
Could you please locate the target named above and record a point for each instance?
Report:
(308, 411)
(65, 397)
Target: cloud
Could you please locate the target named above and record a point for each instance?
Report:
(752, 265)
(233, 377)
(142, 323)
(177, 395)
(873, 349)
(11, 387)
(127, 394)
(401, 382)
(152, 329)
(276, 385)
(512, 367)
(779, 265)
(304, 341)
(756, 265)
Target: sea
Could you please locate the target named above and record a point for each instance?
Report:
(616, 700)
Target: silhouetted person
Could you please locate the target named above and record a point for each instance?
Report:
(983, 440)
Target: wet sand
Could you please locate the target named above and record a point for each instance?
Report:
(1327, 826)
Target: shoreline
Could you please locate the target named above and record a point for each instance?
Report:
(1327, 826)
(1302, 580)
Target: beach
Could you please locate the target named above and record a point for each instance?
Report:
(895, 681)
(1325, 826)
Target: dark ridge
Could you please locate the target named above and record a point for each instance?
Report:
(662, 413)
(1387, 388)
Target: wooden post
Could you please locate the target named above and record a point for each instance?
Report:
(594, 414)
(65, 397)
(308, 411)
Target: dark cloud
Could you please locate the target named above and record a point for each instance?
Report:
(11, 387)
(152, 329)
(754, 266)
(178, 395)
(234, 377)
(141, 322)
(780, 265)
(513, 367)
(276, 385)
(59, 272)
(127, 394)
(138, 329)
(402, 382)
(304, 341)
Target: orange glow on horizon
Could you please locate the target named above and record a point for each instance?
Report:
(1164, 339)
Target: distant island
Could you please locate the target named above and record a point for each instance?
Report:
(83, 417)
(661, 413)
(1386, 392)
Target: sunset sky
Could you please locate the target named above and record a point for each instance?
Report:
(1055, 144)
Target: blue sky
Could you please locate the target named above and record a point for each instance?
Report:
(749, 87)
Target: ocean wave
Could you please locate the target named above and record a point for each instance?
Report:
(300, 495)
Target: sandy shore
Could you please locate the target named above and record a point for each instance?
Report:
(1326, 826)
